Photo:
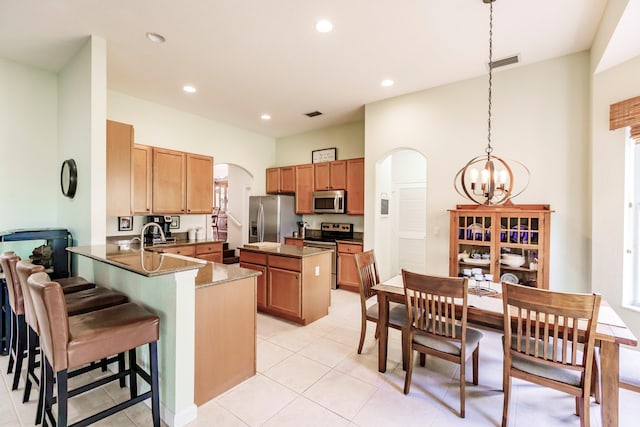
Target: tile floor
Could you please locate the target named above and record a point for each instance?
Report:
(312, 376)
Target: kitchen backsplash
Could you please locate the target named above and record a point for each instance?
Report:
(314, 221)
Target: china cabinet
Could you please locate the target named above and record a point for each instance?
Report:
(508, 243)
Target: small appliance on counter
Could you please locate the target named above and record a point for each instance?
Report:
(153, 235)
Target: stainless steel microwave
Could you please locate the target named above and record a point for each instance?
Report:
(329, 201)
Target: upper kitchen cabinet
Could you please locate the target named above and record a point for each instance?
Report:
(281, 180)
(304, 189)
(142, 173)
(199, 184)
(119, 145)
(330, 175)
(169, 181)
(355, 186)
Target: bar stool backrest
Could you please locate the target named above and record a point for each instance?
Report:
(51, 311)
(8, 261)
(25, 269)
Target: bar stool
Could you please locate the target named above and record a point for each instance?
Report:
(70, 342)
(77, 303)
(18, 340)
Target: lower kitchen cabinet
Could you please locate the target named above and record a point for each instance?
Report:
(347, 270)
(285, 291)
(294, 288)
(209, 251)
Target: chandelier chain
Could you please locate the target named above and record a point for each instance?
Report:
(489, 149)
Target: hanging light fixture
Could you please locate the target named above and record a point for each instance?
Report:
(488, 179)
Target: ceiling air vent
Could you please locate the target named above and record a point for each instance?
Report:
(313, 114)
(505, 61)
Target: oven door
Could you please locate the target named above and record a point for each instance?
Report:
(326, 245)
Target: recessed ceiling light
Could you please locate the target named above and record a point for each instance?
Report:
(265, 117)
(189, 89)
(156, 38)
(387, 83)
(324, 26)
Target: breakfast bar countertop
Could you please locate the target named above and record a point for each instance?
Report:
(217, 274)
(144, 262)
(288, 250)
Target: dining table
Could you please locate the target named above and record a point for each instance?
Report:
(487, 311)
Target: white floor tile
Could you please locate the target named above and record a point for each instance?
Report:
(297, 372)
(303, 412)
(269, 354)
(340, 393)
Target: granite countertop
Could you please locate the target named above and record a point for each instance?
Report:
(147, 263)
(216, 274)
(290, 250)
(354, 240)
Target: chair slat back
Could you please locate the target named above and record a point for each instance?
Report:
(547, 326)
(431, 305)
(51, 310)
(367, 273)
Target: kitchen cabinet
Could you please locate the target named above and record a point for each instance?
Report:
(118, 168)
(330, 175)
(296, 288)
(483, 236)
(185, 250)
(142, 173)
(199, 192)
(347, 270)
(295, 241)
(281, 180)
(169, 178)
(355, 186)
(209, 251)
(304, 188)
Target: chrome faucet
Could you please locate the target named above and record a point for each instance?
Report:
(163, 238)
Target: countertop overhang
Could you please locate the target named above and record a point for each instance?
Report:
(290, 250)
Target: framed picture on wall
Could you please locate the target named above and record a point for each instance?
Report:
(175, 222)
(324, 155)
(125, 223)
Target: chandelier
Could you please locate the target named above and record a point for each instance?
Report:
(488, 179)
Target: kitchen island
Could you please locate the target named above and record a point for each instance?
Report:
(207, 312)
(295, 283)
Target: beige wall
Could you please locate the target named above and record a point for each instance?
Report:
(541, 117)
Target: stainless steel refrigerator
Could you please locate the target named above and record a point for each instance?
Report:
(271, 218)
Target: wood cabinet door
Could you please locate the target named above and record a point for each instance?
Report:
(118, 177)
(199, 184)
(294, 242)
(142, 169)
(322, 176)
(273, 180)
(355, 186)
(187, 250)
(304, 189)
(169, 179)
(288, 179)
(261, 283)
(338, 175)
(214, 257)
(285, 291)
(347, 271)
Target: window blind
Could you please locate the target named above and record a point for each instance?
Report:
(626, 113)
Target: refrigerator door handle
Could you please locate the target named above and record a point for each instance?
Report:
(261, 223)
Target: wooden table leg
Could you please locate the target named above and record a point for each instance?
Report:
(383, 322)
(610, 360)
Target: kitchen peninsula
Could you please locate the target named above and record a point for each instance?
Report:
(207, 320)
(295, 283)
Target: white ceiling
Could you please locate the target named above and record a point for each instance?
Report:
(249, 57)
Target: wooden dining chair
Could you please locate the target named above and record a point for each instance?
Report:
(545, 329)
(368, 277)
(434, 327)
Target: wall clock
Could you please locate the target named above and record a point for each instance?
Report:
(69, 178)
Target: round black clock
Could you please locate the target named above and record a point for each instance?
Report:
(69, 178)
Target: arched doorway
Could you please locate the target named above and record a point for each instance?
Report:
(231, 194)
(401, 212)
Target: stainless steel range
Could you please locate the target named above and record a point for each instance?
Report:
(329, 233)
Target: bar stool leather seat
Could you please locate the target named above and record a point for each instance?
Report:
(74, 284)
(93, 299)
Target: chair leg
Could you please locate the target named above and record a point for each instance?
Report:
(121, 368)
(155, 398)
(476, 356)
(585, 416)
(41, 390)
(423, 359)
(462, 385)
(595, 378)
(21, 347)
(377, 330)
(506, 386)
(48, 392)
(133, 377)
(12, 341)
(408, 349)
(61, 380)
(363, 332)
(31, 364)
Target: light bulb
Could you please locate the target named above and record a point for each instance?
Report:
(503, 177)
(485, 176)
(474, 175)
